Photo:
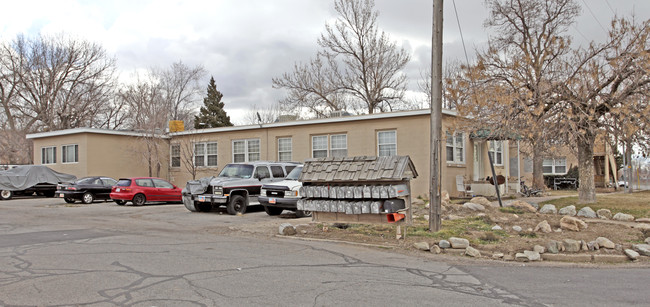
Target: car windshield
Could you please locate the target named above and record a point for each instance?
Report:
(87, 180)
(295, 173)
(237, 170)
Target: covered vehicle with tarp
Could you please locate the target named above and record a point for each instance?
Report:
(30, 179)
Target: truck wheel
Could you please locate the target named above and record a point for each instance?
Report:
(69, 200)
(272, 210)
(139, 199)
(236, 205)
(88, 198)
(6, 194)
(302, 213)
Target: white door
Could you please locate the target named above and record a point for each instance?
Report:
(478, 161)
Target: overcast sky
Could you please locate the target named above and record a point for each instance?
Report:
(245, 43)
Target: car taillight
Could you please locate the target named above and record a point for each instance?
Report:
(71, 188)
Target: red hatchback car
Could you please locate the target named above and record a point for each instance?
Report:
(140, 190)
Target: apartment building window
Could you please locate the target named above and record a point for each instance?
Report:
(284, 149)
(48, 155)
(70, 153)
(495, 150)
(175, 155)
(336, 147)
(387, 143)
(246, 150)
(556, 166)
(205, 154)
(455, 147)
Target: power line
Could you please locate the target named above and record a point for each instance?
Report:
(462, 39)
(610, 7)
(593, 15)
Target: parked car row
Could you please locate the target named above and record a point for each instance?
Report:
(274, 185)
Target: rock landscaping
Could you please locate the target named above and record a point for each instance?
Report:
(517, 232)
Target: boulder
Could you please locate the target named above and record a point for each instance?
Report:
(623, 217)
(548, 209)
(519, 204)
(535, 205)
(458, 242)
(553, 247)
(539, 249)
(517, 228)
(604, 242)
(572, 223)
(647, 240)
(568, 210)
(571, 246)
(444, 244)
(643, 220)
(423, 246)
(533, 255)
(473, 206)
(481, 201)
(631, 254)
(521, 257)
(587, 212)
(593, 246)
(287, 229)
(544, 227)
(435, 249)
(497, 256)
(604, 214)
(417, 202)
(472, 252)
(583, 246)
(643, 249)
(497, 227)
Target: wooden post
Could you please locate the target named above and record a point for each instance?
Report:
(436, 117)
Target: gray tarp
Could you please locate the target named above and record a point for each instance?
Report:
(27, 176)
(194, 187)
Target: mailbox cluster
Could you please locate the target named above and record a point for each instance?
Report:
(353, 199)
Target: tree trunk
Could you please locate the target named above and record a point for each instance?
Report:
(587, 189)
(538, 167)
(628, 172)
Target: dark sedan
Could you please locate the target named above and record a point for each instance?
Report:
(87, 189)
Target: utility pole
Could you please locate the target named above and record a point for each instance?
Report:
(436, 118)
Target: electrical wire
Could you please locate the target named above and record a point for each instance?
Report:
(594, 16)
(462, 39)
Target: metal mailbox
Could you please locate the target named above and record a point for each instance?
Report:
(363, 189)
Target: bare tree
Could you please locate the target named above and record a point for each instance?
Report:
(357, 68)
(608, 82)
(62, 82)
(180, 89)
(270, 114)
(514, 80)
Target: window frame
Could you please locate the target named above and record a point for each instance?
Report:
(44, 161)
(280, 151)
(247, 152)
(328, 148)
(206, 156)
(379, 144)
(455, 147)
(171, 156)
(64, 155)
(497, 155)
(554, 165)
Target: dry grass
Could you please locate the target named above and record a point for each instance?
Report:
(637, 204)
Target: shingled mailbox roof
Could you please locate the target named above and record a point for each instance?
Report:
(363, 168)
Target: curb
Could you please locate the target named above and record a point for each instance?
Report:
(585, 258)
(336, 241)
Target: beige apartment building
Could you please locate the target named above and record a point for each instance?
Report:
(175, 156)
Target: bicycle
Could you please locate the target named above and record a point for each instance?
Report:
(527, 191)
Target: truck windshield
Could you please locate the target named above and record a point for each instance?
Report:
(295, 173)
(237, 170)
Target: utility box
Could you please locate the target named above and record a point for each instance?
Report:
(364, 189)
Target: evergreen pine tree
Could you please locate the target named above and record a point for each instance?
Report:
(212, 114)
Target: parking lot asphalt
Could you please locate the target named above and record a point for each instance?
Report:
(58, 254)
